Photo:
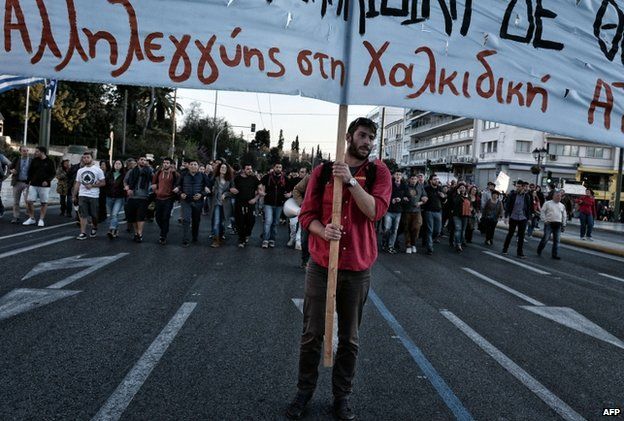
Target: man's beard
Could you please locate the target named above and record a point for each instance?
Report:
(355, 152)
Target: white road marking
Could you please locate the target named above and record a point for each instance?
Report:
(593, 253)
(570, 318)
(37, 230)
(33, 247)
(134, 380)
(559, 406)
(298, 302)
(507, 259)
(22, 300)
(505, 287)
(96, 263)
(606, 275)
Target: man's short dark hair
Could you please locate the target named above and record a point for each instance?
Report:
(491, 183)
(166, 159)
(42, 149)
(432, 176)
(88, 153)
(362, 121)
(193, 160)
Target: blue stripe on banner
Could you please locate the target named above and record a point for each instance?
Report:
(8, 82)
(445, 392)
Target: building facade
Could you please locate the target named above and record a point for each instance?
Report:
(383, 116)
(478, 150)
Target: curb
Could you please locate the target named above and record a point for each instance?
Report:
(577, 243)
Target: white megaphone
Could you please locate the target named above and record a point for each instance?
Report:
(291, 209)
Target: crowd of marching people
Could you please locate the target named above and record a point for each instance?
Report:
(422, 211)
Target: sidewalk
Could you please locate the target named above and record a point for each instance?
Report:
(611, 243)
(617, 227)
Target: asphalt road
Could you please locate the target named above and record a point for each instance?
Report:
(166, 333)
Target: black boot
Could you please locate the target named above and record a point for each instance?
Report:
(343, 410)
(297, 407)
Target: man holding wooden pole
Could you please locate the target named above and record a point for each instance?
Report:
(366, 190)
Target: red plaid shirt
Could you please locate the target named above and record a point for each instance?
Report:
(358, 245)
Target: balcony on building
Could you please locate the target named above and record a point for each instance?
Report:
(428, 123)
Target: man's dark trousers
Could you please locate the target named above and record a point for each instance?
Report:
(351, 293)
(163, 214)
(245, 220)
(513, 224)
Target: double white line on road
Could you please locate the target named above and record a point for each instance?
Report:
(559, 406)
(33, 247)
(134, 380)
(37, 230)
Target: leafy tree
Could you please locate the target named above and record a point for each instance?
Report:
(280, 140)
(262, 141)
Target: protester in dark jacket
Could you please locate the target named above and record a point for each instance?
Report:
(517, 214)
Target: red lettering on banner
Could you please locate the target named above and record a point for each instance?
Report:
(180, 54)
(487, 75)
(606, 105)
(134, 46)
(447, 81)
(273, 57)
(13, 7)
(407, 75)
(431, 74)
(375, 64)
(102, 36)
(514, 90)
(533, 91)
(303, 60)
(465, 84)
(74, 40)
(239, 52)
(338, 64)
(150, 46)
(620, 85)
(249, 53)
(205, 51)
(47, 39)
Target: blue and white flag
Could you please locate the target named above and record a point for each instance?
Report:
(8, 82)
(49, 94)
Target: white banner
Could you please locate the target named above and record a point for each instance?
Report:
(552, 65)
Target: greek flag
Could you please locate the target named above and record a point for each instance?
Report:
(8, 82)
(49, 94)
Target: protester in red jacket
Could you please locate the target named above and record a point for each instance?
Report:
(587, 213)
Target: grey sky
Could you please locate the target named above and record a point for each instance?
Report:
(314, 121)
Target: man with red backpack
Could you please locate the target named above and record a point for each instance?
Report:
(364, 203)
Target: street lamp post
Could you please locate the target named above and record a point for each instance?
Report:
(539, 155)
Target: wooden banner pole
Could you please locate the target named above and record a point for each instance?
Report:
(334, 246)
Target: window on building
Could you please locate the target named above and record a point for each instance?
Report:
(597, 153)
(487, 125)
(523, 146)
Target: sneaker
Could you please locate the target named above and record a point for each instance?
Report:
(241, 245)
(556, 257)
(429, 252)
(590, 239)
(297, 245)
(408, 250)
(343, 410)
(290, 242)
(15, 221)
(109, 234)
(505, 252)
(82, 236)
(459, 249)
(115, 233)
(41, 223)
(162, 241)
(521, 256)
(185, 244)
(583, 238)
(138, 238)
(392, 250)
(271, 243)
(297, 407)
(414, 250)
(29, 221)
(265, 244)
(93, 232)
